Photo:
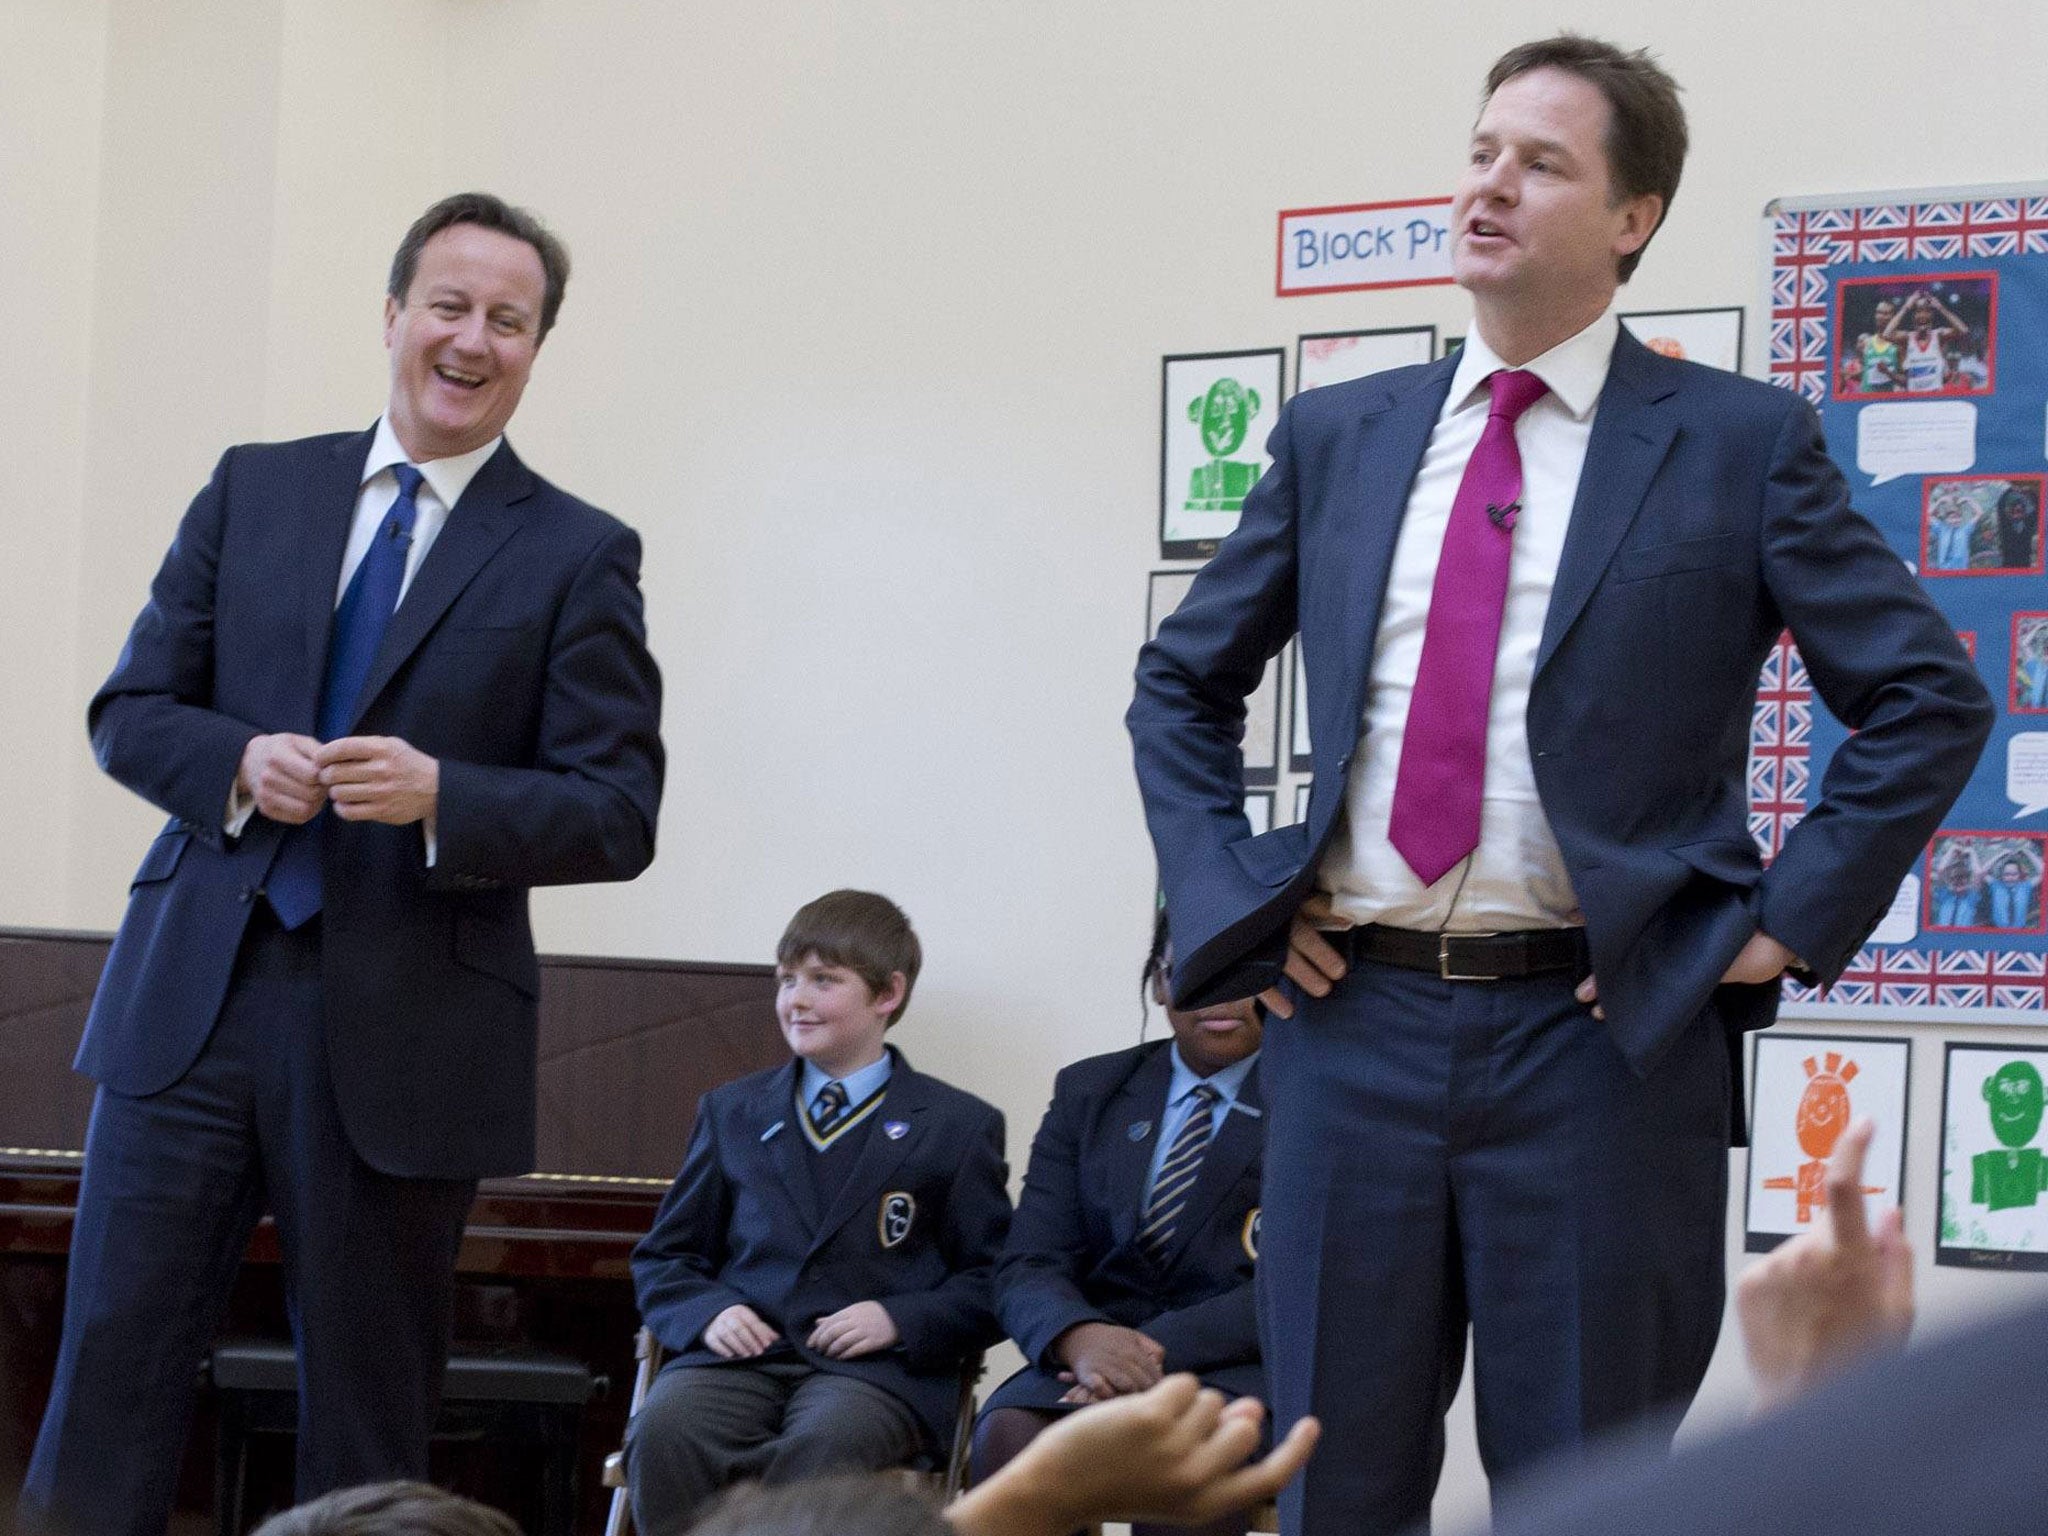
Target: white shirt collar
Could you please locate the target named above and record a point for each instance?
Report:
(448, 478)
(1575, 369)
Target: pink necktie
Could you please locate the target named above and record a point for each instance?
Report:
(1435, 820)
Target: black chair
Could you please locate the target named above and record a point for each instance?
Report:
(509, 1394)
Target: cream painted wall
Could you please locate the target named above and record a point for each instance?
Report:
(864, 337)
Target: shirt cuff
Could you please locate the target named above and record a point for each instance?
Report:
(240, 808)
(433, 843)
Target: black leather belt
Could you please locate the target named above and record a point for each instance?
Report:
(1468, 956)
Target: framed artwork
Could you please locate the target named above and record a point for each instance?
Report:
(1449, 345)
(1299, 756)
(1710, 336)
(1258, 810)
(1332, 357)
(1994, 1174)
(1301, 792)
(1163, 594)
(1981, 525)
(1216, 409)
(1804, 1092)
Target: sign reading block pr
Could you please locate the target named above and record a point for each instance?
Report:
(1364, 245)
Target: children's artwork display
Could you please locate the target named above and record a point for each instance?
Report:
(1804, 1092)
(1262, 710)
(1917, 326)
(1710, 336)
(1216, 409)
(1336, 356)
(1994, 1175)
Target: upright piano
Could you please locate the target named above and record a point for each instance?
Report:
(626, 1049)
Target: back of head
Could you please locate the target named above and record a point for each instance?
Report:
(872, 1504)
(1646, 132)
(390, 1509)
(866, 933)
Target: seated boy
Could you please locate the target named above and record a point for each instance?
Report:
(822, 1265)
(1132, 1252)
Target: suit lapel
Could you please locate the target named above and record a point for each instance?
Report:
(1393, 435)
(904, 1103)
(1232, 1150)
(1130, 1135)
(329, 511)
(1631, 434)
(477, 524)
(785, 1146)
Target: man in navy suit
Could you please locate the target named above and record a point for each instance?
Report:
(819, 1272)
(1521, 930)
(1132, 1251)
(384, 683)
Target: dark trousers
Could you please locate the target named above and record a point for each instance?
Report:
(704, 1427)
(173, 1186)
(1445, 1153)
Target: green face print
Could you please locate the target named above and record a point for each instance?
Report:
(2014, 1094)
(1224, 415)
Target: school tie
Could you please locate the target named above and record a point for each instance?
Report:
(360, 619)
(1177, 1174)
(1438, 787)
(828, 1108)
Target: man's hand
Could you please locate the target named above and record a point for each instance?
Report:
(851, 1332)
(1762, 959)
(1313, 964)
(1828, 1297)
(1176, 1453)
(379, 778)
(1104, 1360)
(281, 774)
(738, 1333)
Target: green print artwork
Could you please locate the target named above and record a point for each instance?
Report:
(1225, 415)
(2015, 1177)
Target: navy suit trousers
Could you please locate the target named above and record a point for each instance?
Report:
(1443, 1154)
(174, 1184)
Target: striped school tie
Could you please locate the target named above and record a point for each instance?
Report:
(1177, 1174)
(828, 1108)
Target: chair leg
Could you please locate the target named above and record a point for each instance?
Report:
(619, 1522)
(558, 1473)
(230, 1467)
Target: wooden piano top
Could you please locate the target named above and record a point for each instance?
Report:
(626, 1049)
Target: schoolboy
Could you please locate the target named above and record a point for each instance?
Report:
(1133, 1249)
(822, 1264)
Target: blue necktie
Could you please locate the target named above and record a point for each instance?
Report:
(360, 620)
(828, 1108)
(1177, 1174)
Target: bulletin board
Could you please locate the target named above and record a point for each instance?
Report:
(1916, 323)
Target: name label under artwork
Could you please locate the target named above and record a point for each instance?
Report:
(1364, 245)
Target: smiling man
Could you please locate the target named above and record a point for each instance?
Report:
(385, 682)
(1514, 945)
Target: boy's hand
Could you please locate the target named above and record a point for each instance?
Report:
(851, 1332)
(738, 1333)
(1106, 1360)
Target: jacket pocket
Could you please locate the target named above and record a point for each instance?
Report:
(1685, 555)
(1275, 857)
(497, 948)
(161, 861)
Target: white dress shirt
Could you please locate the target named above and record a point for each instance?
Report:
(442, 483)
(1516, 878)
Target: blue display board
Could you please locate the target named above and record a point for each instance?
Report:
(1917, 324)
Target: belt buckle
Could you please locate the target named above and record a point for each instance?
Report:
(1443, 957)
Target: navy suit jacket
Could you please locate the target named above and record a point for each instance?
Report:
(1708, 520)
(1073, 1255)
(517, 658)
(916, 1226)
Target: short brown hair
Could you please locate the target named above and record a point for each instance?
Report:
(1646, 135)
(869, 1504)
(488, 211)
(866, 933)
(390, 1509)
